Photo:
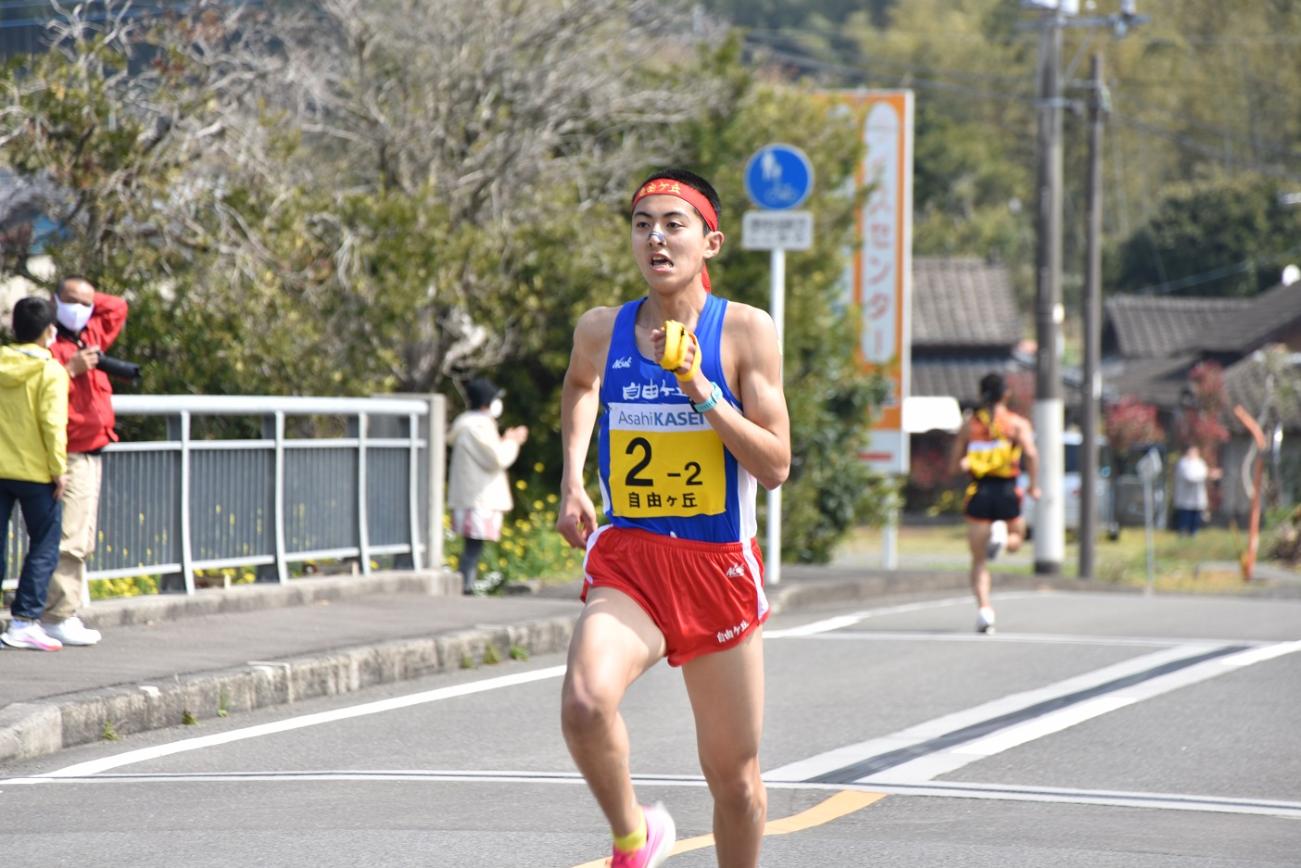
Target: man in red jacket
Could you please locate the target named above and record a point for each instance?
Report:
(88, 323)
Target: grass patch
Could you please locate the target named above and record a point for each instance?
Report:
(1207, 562)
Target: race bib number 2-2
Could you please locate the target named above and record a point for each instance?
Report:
(665, 460)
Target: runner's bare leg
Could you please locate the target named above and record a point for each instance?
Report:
(726, 692)
(978, 542)
(614, 642)
(1015, 533)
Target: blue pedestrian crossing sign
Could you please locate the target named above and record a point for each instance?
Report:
(778, 177)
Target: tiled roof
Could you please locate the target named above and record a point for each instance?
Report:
(1245, 384)
(1256, 322)
(1156, 381)
(1153, 327)
(963, 302)
(958, 376)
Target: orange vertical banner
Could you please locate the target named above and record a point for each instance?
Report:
(882, 264)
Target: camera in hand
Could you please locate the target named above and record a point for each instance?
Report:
(119, 369)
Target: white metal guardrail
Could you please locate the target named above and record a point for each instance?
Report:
(172, 507)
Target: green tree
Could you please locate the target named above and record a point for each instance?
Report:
(391, 220)
(101, 148)
(1221, 237)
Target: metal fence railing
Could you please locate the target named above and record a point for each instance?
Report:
(172, 507)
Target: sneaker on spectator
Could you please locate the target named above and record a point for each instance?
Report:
(70, 631)
(997, 539)
(29, 634)
(660, 835)
(985, 620)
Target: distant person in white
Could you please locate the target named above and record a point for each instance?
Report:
(1191, 500)
(478, 491)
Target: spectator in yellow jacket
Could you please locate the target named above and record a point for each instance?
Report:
(33, 462)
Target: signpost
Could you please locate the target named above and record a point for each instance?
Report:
(882, 277)
(778, 178)
(1149, 468)
(777, 230)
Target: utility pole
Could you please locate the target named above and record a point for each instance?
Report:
(1091, 387)
(1049, 409)
(1050, 518)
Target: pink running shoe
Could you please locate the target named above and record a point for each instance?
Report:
(660, 835)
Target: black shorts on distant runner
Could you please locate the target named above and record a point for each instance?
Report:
(995, 499)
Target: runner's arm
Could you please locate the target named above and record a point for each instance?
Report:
(761, 438)
(580, 398)
(1029, 457)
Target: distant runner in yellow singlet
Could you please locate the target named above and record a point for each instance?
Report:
(992, 447)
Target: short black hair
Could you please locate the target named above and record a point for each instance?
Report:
(32, 316)
(993, 387)
(480, 392)
(691, 179)
(69, 278)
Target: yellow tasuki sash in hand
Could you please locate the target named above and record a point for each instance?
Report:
(676, 339)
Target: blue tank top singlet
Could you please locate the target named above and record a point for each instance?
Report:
(663, 468)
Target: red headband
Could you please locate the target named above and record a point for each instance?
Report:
(688, 194)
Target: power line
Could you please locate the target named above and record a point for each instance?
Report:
(966, 75)
(1206, 150)
(1269, 148)
(1247, 264)
(808, 62)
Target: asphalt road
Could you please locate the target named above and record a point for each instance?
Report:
(1093, 730)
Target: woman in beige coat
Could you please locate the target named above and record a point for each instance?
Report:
(478, 492)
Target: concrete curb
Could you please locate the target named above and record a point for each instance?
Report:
(126, 611)
(30, 730)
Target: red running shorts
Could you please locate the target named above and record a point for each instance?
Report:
(704, 597)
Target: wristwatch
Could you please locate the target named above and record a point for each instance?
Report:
(715, 396)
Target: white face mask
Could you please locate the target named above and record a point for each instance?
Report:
(495, 408)
(72, 316)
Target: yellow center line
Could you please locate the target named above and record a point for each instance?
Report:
(842, 803)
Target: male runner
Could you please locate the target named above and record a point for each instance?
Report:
(677, 571)
(991, 446)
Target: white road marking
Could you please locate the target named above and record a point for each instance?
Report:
(932, 789)
(1261, 654)
(841, 757)
(941, 762)
(841, 621)
(145, 754)
(1063, 795)
(1028, 638)
(92, 767)
(912, 777)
